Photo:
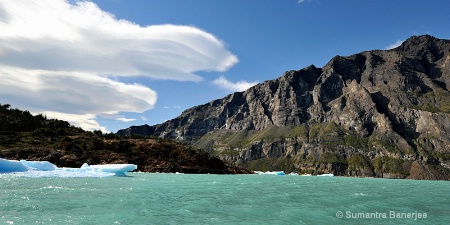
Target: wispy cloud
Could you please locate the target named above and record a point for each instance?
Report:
(117, 117)
(126, 120)
(88, 120)
(238, 86)
(395, 45)
(58, 57)
(172, 107)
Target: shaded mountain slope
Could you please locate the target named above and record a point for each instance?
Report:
(376, 113)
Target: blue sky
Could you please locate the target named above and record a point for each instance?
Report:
(111, 64)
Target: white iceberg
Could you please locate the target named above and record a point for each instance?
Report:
(39, 165)
(326, 175)
(9, 166)
(117, 169)
(47, 169)
(280, 173)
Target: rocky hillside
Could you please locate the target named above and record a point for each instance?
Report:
(376, 114)
(34, 137)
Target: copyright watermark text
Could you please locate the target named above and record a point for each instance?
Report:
(381, 215)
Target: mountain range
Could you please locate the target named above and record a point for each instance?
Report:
(379, 113)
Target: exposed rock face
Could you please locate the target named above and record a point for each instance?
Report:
(376, 113)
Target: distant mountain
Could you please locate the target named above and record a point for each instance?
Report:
(381, 113)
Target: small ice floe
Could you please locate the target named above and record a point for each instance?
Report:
(280, 173)
(47, 169)
(326, 175)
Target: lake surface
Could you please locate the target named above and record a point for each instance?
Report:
(146, 198)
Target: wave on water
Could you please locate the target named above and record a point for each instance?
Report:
(361, 194)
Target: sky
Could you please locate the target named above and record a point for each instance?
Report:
(111, 64)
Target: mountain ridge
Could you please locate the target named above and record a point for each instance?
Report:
(381, 113)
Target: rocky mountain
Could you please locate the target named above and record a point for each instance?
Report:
(380, 113)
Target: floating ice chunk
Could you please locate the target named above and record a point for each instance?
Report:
(271, 172)
(10, 166)
(117, 169)
(47, 169)
(326, 175)
(39, 165)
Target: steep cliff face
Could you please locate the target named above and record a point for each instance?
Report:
(376, 113)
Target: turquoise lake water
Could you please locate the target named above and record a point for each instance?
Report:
(144, 198)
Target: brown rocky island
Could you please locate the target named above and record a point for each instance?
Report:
(29, 137)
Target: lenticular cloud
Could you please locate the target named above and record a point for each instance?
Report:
(57, 56)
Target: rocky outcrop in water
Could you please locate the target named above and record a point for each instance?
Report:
(376, 113)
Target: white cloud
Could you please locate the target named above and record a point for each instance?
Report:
(238, 86)
(116, 117)
(72, 96)
(172, 107)
(58, 57)
(86, 121)
(395, 45)
(126, 120)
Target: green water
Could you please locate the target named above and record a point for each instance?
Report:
(221, 199)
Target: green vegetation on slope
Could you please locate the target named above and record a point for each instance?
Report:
(244, 138)
(272, 164)
(386, 164)
(434, 101)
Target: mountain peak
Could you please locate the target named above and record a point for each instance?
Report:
(417, 40)
(422, 46)
(421, 38)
